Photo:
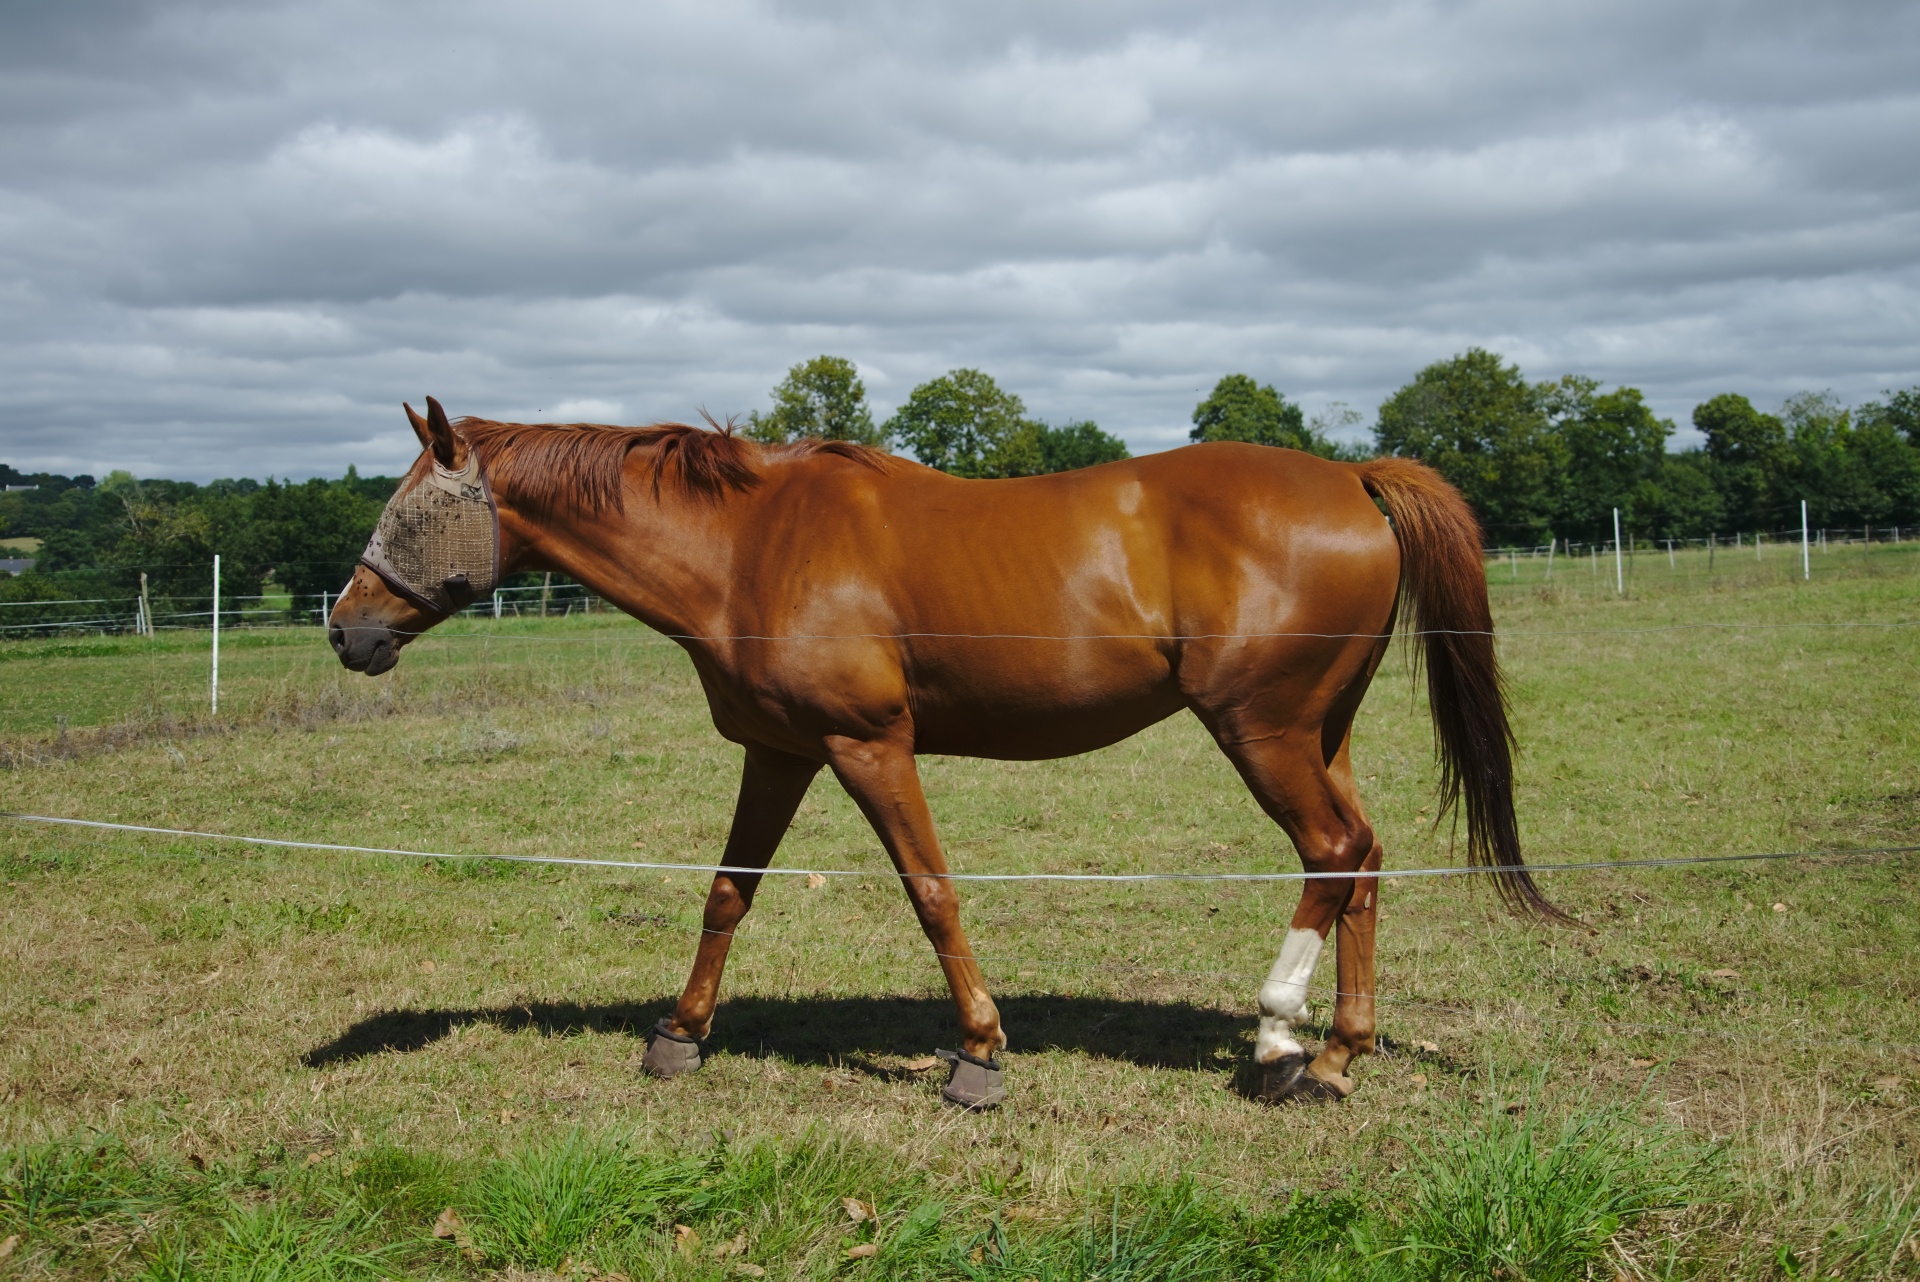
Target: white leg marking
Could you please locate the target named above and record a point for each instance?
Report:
(1283, 998)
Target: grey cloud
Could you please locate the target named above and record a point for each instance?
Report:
(233, 236)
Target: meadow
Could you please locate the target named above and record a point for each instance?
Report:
(223, 1061)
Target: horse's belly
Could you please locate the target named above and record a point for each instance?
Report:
(1024, 730)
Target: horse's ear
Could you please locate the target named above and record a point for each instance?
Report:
(445, 446)
(420, 428)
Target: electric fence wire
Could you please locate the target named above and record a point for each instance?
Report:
(1385, 874)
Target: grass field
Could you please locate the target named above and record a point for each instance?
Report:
(229, 1062)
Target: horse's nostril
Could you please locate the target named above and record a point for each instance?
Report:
(337, 637)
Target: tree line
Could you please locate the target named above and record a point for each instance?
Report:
(1537, 460)
(1540, 460)
(96, 539)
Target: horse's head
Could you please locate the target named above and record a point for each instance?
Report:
(435, 551)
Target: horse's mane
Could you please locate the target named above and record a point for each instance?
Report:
(577, 466)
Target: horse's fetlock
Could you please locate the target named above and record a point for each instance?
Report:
(1284, 1001)
(1275, 1041)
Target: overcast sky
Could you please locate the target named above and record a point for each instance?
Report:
(234, 237)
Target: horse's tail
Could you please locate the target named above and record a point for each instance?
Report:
(1443, 596)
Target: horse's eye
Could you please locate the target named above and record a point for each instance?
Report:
(459, 590)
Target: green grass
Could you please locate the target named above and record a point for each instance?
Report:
(1487, 1198)
(236, 1062)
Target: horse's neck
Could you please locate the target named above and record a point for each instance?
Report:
(662, 559)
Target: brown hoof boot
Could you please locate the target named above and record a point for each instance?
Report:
(669, 1054)
(973, 1084)
(1314, 1089)
(1274, 1082)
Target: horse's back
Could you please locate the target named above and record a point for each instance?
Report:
(1180, 535)
(1045, 616)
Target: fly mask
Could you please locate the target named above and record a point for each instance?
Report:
(438, 544)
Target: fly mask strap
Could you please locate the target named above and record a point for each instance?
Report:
(438, 544)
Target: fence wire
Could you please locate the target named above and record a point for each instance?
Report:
(1384, 874)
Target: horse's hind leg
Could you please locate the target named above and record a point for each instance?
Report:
(1353, 1015)
(1295, 785)
(772, 785)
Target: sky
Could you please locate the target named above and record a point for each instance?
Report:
(234, 237)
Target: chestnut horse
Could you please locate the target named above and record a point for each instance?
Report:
(850, 609)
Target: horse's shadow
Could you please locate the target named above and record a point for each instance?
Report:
(844, 1031)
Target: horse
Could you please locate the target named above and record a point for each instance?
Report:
(847, 608)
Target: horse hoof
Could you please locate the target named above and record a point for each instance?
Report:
(973, 1084)
(669, 1054)
(1314, 1089)
(1275, 1081)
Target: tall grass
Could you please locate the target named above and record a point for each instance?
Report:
(1495, 1187)
(1495, 1190)
(1175, 1233)
(274, 1243)
(545, 1204)
(42, 1185)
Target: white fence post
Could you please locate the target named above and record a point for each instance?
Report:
(1619, 571)
(216, 634)
(1806, 566)
(1551, 544)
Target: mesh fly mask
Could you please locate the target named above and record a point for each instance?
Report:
(438, 544)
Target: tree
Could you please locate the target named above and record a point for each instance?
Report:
(97, 539)
(1852, 468)
(1239, 409)
(1819, 468)
(1332, 424)
(1615, 450)
(1749, 453)
(172, 529)
(1899, 412)
(1878, 450)
(313, 532)
(1476, 421)
(822, 398)
(963, 423)
(1076, 445)
(1682, 501)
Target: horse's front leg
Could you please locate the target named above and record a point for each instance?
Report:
(884, 782)
(772, 785)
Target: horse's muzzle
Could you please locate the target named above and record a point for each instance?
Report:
(368, 649)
